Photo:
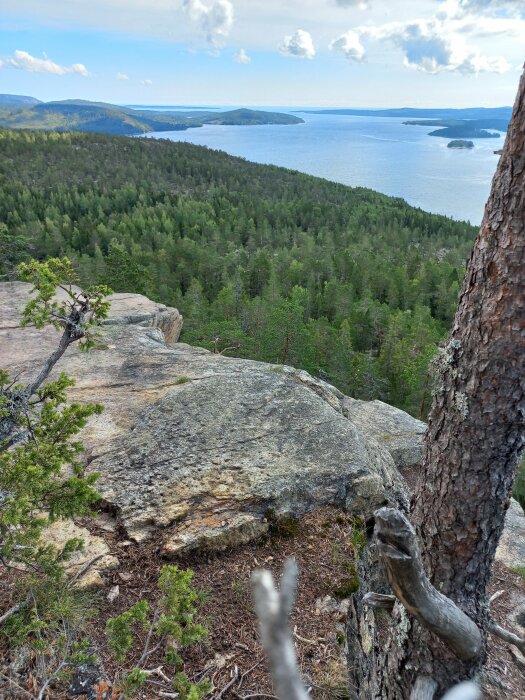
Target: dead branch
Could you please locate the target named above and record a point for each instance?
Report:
(273, 609)
(507, 636)
(399, 551)
(9, 612)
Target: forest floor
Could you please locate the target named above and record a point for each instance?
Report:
(324, 545)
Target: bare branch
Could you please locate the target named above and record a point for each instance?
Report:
(401, 557)
(273, 608)
(9, 612)
(507, 636)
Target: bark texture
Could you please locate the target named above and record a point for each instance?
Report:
(474, 440)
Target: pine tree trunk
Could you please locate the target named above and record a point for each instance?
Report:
(475, 438)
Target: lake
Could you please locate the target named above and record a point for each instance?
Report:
(376, 152)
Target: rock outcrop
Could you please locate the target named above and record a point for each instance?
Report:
(207, 448)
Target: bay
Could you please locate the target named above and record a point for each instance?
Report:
(376, 152)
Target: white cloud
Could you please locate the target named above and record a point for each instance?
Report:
(122, 76)
(22, 60)
(362, 4)
(299, 44)
(146, 82)
(215, 17)
(242, 57)
(511, 6)
(433, 46)
(350, 45)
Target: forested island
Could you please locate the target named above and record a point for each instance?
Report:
(356, 287)
(19, 112)
(459, 143)
(463, 128)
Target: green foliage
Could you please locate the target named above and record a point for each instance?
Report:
(119, 630)
(520, 570)
(34, 488)
(81, 310)
(52, 623)
(351, 285)
(170, 626)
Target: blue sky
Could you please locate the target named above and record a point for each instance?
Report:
(346, 53)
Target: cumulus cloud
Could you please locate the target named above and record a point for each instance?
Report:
(22, 60)
(242, 57)
(122, 76)
(349, 44)
(299, 44)
(433, 46)
(146, 82)
(215, 18)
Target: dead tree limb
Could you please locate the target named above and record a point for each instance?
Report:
(401, 558)
(273, 609)
(507, 636)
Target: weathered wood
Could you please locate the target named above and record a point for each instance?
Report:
(273, 609)
(379, 601)
(401, 557)
(507, 636)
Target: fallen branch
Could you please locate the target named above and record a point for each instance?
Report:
(9, 612)
(399, 551)
(84, 569)
(229, 684)
(507, 636)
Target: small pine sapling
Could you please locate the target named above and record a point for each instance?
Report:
(170, 627)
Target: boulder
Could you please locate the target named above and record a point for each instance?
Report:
(201, 446)
(395, 430)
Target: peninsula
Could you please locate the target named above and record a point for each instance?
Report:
(18, 112)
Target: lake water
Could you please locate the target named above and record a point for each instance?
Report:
(378, 152)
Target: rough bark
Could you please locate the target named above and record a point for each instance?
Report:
(474, 440)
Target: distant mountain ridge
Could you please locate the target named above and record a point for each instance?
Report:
(424, 113)
(18, 100)
(102, 117)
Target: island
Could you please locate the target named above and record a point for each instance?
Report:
(102, 117)
(463, 128)
(460, 143)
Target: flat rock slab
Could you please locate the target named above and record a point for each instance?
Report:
(205, 447)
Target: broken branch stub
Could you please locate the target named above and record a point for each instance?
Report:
(401, 557)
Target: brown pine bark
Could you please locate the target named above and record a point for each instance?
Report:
(475, 437)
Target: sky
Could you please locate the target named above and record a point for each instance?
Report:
(307, 53)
